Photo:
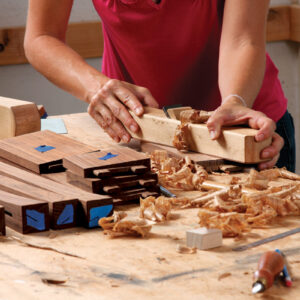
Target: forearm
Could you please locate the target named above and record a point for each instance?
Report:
(63, 66)
(241, 71)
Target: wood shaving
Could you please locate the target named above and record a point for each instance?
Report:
(257, 180)
(195, 116)
(120, 225)
(185, 250)
(224, 275)
(155, 209)
(177, 173)
(180, 140)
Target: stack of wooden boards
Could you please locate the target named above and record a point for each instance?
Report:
(120, 172)
(33, 203)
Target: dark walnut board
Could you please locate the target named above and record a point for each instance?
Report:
(89, 205)
(22, 151)
(62, 209)
(24, 214)
(84, 164)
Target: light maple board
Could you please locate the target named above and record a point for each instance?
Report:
(235, 143)
(22, 150)
(18, 117)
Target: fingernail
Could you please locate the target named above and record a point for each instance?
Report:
(139, 110)
(212, 134)
(116, 139)
(260, 137)
(125, 139)
(265, 154)
(133, 128)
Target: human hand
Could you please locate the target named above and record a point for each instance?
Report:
(232, 112)
(109, 107)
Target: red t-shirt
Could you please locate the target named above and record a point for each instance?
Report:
(172, 48)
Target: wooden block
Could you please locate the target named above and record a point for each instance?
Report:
(210, 162)
(114, 157)
(18, 117)
(2, 221)
(203, 238)
(91, 207)
(22, 150)
(235, 143)
(62, 209)
(92, 185)
(174, 113)
(24, 214)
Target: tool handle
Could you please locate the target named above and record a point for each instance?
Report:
(270, 264)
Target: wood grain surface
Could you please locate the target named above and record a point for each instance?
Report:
(84, 164)
(87, 201)
(22, 150)
(62, 209)
(235, 143)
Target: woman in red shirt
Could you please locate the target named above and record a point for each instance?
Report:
(207, 54)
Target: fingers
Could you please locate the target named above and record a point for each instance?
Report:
(265, 126)
(272, 152)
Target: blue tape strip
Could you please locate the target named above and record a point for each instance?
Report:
(108, 156)
(99, 212)
(67, 215)
(44, 148)
(35, 219)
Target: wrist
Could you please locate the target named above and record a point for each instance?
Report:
(234, 98)
(95, 84)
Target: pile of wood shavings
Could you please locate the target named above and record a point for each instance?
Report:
(155, 209)
(239, 212)
(177, 173)
(119, 224)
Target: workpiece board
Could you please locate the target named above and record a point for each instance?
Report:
(41, 151)
(115, 157)
(235, 143)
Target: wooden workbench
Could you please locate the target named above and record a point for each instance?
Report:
(135, 268)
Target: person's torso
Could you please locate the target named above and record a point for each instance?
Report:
(172, 48)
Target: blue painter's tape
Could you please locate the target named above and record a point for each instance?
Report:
(108, 156)
(35, 219)
(44, 148)
(67, 215)
(99, 212)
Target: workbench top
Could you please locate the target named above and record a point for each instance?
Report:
(97, 267)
